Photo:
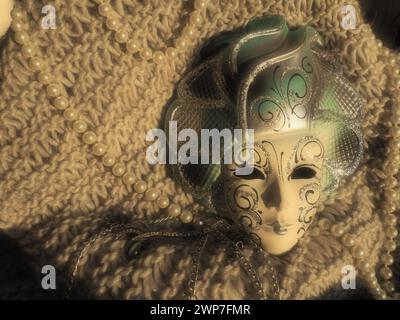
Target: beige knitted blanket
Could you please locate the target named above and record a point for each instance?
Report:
(55, 192)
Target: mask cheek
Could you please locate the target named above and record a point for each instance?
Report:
(306, 216)
(238, 200)
(309, 196)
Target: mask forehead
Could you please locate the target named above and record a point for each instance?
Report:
(280, 97)
(301, 146)
(285, 151)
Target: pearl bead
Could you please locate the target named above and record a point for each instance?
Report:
(186, 216)
(118, 169)
(61, 103)
(366, 266)
(158, 57)
(21, 37)
(348, 240)
(16, 13)
(196, 18)
(140, 186)
(163, 202)
(108, 160)
(387, 259)
(35, 64)
(128, 178)
(396, 144)
(89, 137)
(324, 224)
(371, 275)
(391, 220)
(376, 288)
(337, 230)
(357, 253)
(53, 90)
(146, 54)
(17, 25)
(171, 52)
(389, 286)
(151, 194)
(395, 131)
(390, 245)
(121, 36)
(189, 32)
(132, 46)
(382, 295)
(200, 4)
(112, 24)
(44, 77)
(79, 126)
(174, 210)
(392, 182)
(70, 114)
(374, 283)
(392, 232)
(99, 149)
(104, 9)
(180, 43)
(27, 51)
(386, 273)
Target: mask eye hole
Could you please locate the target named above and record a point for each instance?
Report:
(303, 172)
(256, 174)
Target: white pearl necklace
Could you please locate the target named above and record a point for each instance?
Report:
(59, 99)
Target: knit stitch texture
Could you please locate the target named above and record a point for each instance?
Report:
(55, 193)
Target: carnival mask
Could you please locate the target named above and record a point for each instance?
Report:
(305, 119)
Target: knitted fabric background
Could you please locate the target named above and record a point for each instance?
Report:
(55, 193)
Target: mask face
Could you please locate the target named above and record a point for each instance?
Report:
(306, 118)
(277, 201)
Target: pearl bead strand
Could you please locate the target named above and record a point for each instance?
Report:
(60, 101)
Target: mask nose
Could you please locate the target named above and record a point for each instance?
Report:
(272, 197)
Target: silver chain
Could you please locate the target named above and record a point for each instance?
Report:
(118, 230)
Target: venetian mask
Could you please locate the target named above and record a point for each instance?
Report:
(305, 117)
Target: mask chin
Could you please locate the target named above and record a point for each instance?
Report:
(278, 246)
(5, 18)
